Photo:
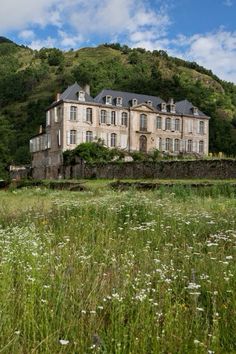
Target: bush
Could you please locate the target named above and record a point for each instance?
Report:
(94, 152)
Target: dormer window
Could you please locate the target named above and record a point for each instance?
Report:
(119, 101)
(163, 107)
(195, 111)
(172, 108)
(149, 103)
(81, 96)
(108, 99)
(134, 102)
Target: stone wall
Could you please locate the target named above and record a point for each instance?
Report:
(218, 169)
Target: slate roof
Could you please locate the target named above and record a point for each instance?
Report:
(185, 107)
(182, 107)
(127, 97)
(71, 93)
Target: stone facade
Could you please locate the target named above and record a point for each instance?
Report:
(129, 121)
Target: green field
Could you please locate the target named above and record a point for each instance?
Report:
(103, 271)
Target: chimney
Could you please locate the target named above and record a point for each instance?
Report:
(171, 101)
(58, 97)
(87, 89)
(40, 129)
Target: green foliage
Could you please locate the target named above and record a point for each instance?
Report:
(117, 272)
(94, 152)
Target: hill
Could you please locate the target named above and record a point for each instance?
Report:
(30, 79)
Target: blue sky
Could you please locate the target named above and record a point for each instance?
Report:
(202, 31)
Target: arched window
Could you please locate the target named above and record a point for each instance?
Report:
(113, 140)
(190, 146)
(103, 116)
(177, 145)
(89, 115)
(201, 147)
(143, 143)
(73, 113)
(124, 119)
(168, 144)
(89, 137)
(143, 122)
(201, 127)
(159, 123)
(168, 124)
(177, 125)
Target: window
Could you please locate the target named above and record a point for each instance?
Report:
(113, 118)
(81, 96)
(143, 122)
(59, 113)
(201, 147)
(89, 137)
(119, 101)
(59, 137)
(134, 102)
(108, 100)
(168, 144)
(172, 108)
(176, 145)
(124, 119)
(149, 103)
(177, 125)
(195, 111)
(103, 116)
(163, 107)
(190, 126)
(160, 144)
(190, 146)
(168, 124)
(72, 136)
(89, 115)
(48, 118)
(73, 113)
(201, 127)
(113, 140)
(159, 123)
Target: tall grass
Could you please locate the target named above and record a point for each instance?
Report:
(131, 272)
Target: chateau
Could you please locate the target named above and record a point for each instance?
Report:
(128, 121)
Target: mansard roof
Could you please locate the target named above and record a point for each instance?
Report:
(182, 107)
(186, 108)
(71, 93)
(127, 98)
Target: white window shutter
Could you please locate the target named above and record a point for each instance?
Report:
(157, 143)
(118, 118)
(108, 117)
(84, 114)
(68, 137)
(108, 140)
(172, 122)
(123, 141)
(55, 115)
(83, 137)
(78, 137)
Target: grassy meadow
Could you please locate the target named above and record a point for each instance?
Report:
(103, 271)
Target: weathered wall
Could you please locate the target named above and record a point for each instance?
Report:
(218, 169)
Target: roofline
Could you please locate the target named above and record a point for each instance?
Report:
(54, 104)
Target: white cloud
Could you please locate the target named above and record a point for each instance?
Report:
(49, 42)
(228, 3)
(26, 35)
(17, 15)
(68, 41)
(215, 51)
